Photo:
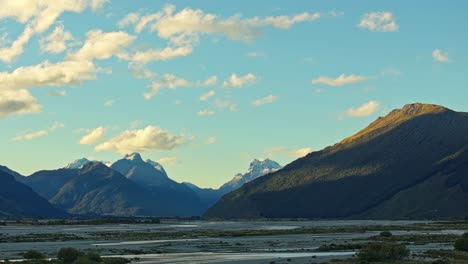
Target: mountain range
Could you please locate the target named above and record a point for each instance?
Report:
(410, 164)
(128, 187)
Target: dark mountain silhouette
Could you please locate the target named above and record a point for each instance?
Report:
(413, 163)
(19, 200)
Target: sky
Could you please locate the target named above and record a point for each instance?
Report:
(205, 87)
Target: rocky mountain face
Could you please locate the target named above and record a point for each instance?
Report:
(410, 164)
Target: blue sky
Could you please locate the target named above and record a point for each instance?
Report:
(206, 86)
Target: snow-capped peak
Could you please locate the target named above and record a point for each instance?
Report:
(77, 164)
(258, 168)
(156, 165)
(133, 157)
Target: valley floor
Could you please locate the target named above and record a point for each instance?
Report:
(230, 242)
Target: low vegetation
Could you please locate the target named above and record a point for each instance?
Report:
(69, 256)
(388, 251)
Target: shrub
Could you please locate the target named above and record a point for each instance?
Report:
(462, 244)
(383, 252)
(33, 254)
(68, 255)
(386, 234)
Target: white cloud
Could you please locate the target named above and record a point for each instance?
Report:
(170, 24)
(265, 100)
(440, 56)
(17, 102)
(211, 81)
(151, 55)
(38, 16)
(182, 29)
(379, 22)
(363, 110)
(56, 41)
(211, 140)
(140, 140)
(60, 93)
(170, 81)
(340, 80)
(168, 161)
(207, 95)
(239, 81)
(38, 134)
(103, 45)
(93, 136)
(206, 113)
(131, 18)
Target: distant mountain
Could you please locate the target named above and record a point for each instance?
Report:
(19, 200)
(13, 173)
(97, 189)
(257, 168)
(152, 176)
(148, 174)
(78, 164)
(410, 164)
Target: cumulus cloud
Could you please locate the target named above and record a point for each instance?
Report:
(207, 95)
(151, 55)
(37, 134)
(206, 113)
(168, 23)
(76, 68)
(140, 140)
(239, 81)
(183, 28)
(17, 102)
(38, 16)
(340, 80)
(170, 81)
(56, 42)
(440, 56)
(265, 100)
(93, 136)
(363, 110)
(379, 22)
(103, 45)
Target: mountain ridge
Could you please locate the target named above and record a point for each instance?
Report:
(354, 176)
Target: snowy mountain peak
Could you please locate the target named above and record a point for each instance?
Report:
(258, 168)
(134, 157)
(156, 165)
(266, 165)
(77, 164)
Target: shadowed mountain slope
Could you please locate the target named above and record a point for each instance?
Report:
(394, 168)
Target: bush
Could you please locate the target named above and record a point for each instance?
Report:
(68, 255)
(386, 234)
(383, 252)
(462, 244)
(33, 254)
